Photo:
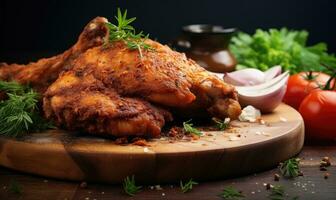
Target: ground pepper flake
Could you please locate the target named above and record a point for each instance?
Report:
(276, 177)
(122, 140)
(326, 175)
(141, 142)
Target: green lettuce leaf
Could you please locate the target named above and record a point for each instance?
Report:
(265, 49)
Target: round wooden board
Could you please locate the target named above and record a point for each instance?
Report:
(216, 155)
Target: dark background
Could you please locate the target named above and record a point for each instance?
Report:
(33, 29)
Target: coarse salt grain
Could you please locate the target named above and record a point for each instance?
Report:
(233, 138)
(145, 149)
(158, 187)
(266, 134)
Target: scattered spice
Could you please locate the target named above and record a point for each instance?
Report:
(122, 140)
(175, 132)
(325, 162)
(276, 177)
(300, 173)
(326, 175)
(140, 142)
(268, 186)
(323, 168)
(195, 137)
(326, 159)
(234, 137)
(83, 185)
(158, 187)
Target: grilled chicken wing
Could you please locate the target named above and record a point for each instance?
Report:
(110, 89)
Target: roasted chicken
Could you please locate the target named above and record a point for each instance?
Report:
(107, 88)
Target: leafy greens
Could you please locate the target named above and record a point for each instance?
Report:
(288, 48)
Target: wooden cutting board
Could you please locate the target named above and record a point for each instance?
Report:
(216, 155)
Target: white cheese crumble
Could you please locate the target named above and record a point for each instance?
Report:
(249, 114)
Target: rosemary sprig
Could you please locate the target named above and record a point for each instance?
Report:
(230, 193)
(12, 87)
(290, 168)
(129, 186)
(188, 186)
(188, 128)
(221, 125)
(15, 187)
(123, 31)
(277, 193)
(19, 112)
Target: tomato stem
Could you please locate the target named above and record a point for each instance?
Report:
(328, 84)
(309, 76)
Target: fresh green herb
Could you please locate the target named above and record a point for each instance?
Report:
(222, 125)
(188, 186)
(123, 31)
(277, 193)
(188, 128)
(129, 186)
(19, 112)
(12, 87)
(230, 193)
(288, 48)
(15, 187)
(290, 168)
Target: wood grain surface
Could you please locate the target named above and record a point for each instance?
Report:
(310, 186)
(215, 155)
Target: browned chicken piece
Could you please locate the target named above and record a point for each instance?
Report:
(44, 72)
(110, 89)
(80, 102)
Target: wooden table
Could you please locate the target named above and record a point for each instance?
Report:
(310, 186)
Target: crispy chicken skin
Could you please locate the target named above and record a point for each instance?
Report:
(44, 72)
(110, 89)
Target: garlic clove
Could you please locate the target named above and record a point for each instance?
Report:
(272, 72)
(245, 77)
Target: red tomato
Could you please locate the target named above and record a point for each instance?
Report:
(301, 84)
(318, 110)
